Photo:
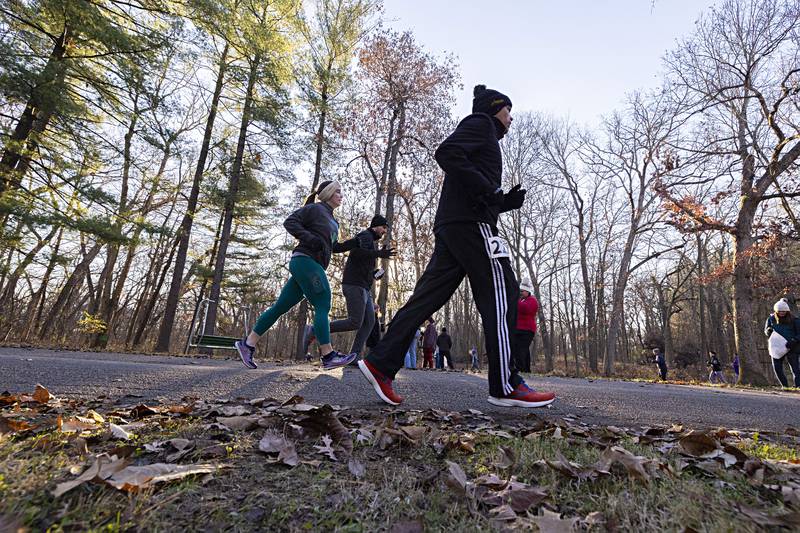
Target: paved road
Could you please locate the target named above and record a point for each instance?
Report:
(87, 374)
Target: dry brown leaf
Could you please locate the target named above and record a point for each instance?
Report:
(356, 467)
(102, 468)
(142, 410)
(698, 444)
(76, 424)
(456, 478)
(550, 522)
(271, 443)
(492, 481)
(762, 519)
(634, 464)
(506, 458)
(133, 478)
(323, 421)
(326, 448)
(522, 499)
(8, 399)
(180, 409)
(574, 470)
(503, 513)
(414, 433)
(12, 425)
(235, 410)
(94, 415)
(118, 433)
(293, 400)
(41, 394)
(238, 423)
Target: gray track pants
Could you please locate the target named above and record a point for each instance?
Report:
(360, 315)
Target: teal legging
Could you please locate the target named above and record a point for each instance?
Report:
(308, 280)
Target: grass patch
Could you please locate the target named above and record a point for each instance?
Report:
(405, 480)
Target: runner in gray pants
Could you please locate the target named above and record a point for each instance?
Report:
(359, 275)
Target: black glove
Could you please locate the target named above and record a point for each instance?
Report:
(769, 332)
(386, 252)
(490, 199)
(791, 344)
(514, 198)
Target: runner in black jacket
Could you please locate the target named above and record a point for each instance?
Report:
(359, 275)
(466, 244)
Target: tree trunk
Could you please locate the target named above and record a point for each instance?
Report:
(185, 230)
(230, 201)
(35, 117)
(390, 195)
(72, 282)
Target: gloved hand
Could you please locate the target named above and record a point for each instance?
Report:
(791, 344)
(386, 252)
(514, 198)
(491, 199)
(769, 331)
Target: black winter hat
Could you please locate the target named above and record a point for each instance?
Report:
(488, 101)
(378, 220)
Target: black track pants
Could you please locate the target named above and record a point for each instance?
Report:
(475, 251)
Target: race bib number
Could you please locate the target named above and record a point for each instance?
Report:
(498, 248)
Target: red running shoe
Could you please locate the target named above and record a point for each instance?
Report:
(524, 396)
(379, 382)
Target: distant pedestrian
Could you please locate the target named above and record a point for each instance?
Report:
(735, 365)
(429, 343)
(716, 375)
(473, 354)
(527, 307)
(445, 343)
(661, 361)
(783, 331)
(411, 354)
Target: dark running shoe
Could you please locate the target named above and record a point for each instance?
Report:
(379, 382)
(524, 396)
(246, 353)
(337, 360)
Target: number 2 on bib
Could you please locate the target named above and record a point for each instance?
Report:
(498, 248)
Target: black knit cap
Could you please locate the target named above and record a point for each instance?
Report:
(378, 220)
(488, 101)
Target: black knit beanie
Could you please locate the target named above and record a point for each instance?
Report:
(488, 101)
(378, 220)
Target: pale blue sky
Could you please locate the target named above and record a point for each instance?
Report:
(567, 57)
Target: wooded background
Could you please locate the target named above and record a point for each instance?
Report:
(152, 148)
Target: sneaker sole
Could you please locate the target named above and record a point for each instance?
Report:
(506, 402)
(371, 379)
(237, 344)
(345, 362)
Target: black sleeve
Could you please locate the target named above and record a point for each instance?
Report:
(768, 326)
(346, 246)
(296, 223)
(453, 154)
(364, 248)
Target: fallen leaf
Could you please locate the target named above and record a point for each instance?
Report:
(235, 410)
(326, 448)
(94, 415)
(762, 519)
(12, 425)
(698, 444)
(293, 400)
(180, 409)
(102, 468)
(414, 433)
(456, 479)
(8, 399)
(634, 464)
(492, 481)
(76, 425)
(506, 458)
(522, 499)
(504, 513)
(323, 421)
(133, 478)
(550, 522)
(356, 467)
(141, 411)
(41, 394)
(119, 433)
(273, 443)
(238, 423)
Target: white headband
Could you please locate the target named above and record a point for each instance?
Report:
(327, 193)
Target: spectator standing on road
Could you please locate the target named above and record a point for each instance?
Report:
(716, 375)
(735, 365)
(473, 354)
(527, 307)
(445, 343)
(661, 361)
(429, 343)
(411, 354)
(783, 331)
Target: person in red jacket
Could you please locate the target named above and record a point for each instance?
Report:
(527, 307)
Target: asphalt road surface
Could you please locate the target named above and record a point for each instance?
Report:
(630, 404)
